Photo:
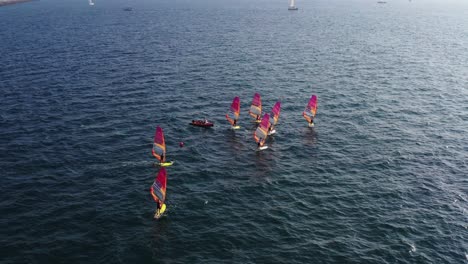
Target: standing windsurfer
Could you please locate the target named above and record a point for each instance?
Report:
(311, 120)
(158, 192)
(158, 206)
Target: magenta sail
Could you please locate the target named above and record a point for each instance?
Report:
(275, 113)
(262, 130)
(311, 109)
(255, 110)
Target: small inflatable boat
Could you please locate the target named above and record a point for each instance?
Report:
(202, 123)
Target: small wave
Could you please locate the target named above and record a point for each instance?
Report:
(412, 248)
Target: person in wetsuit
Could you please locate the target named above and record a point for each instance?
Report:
(158, 208)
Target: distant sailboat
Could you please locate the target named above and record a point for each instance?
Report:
(91, 3)
(292, 5)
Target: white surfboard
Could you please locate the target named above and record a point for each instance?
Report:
(262, 148)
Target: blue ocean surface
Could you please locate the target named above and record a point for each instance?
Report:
(381, 178)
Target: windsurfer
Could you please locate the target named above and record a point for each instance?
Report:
(259, 141)
(162, 158)
(158, 209)
(235, 122)
(311, 120)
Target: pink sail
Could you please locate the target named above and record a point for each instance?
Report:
(261, 133)
(234, 111)
(275, 114)
(311, 109)
(255, 110)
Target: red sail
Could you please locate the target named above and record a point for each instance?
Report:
(158, 189)
(159, 145)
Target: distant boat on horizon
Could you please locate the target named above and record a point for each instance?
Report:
(91, 3)
(292, 5)
(381, 2)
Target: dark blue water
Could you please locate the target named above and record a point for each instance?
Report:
(382, 178)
